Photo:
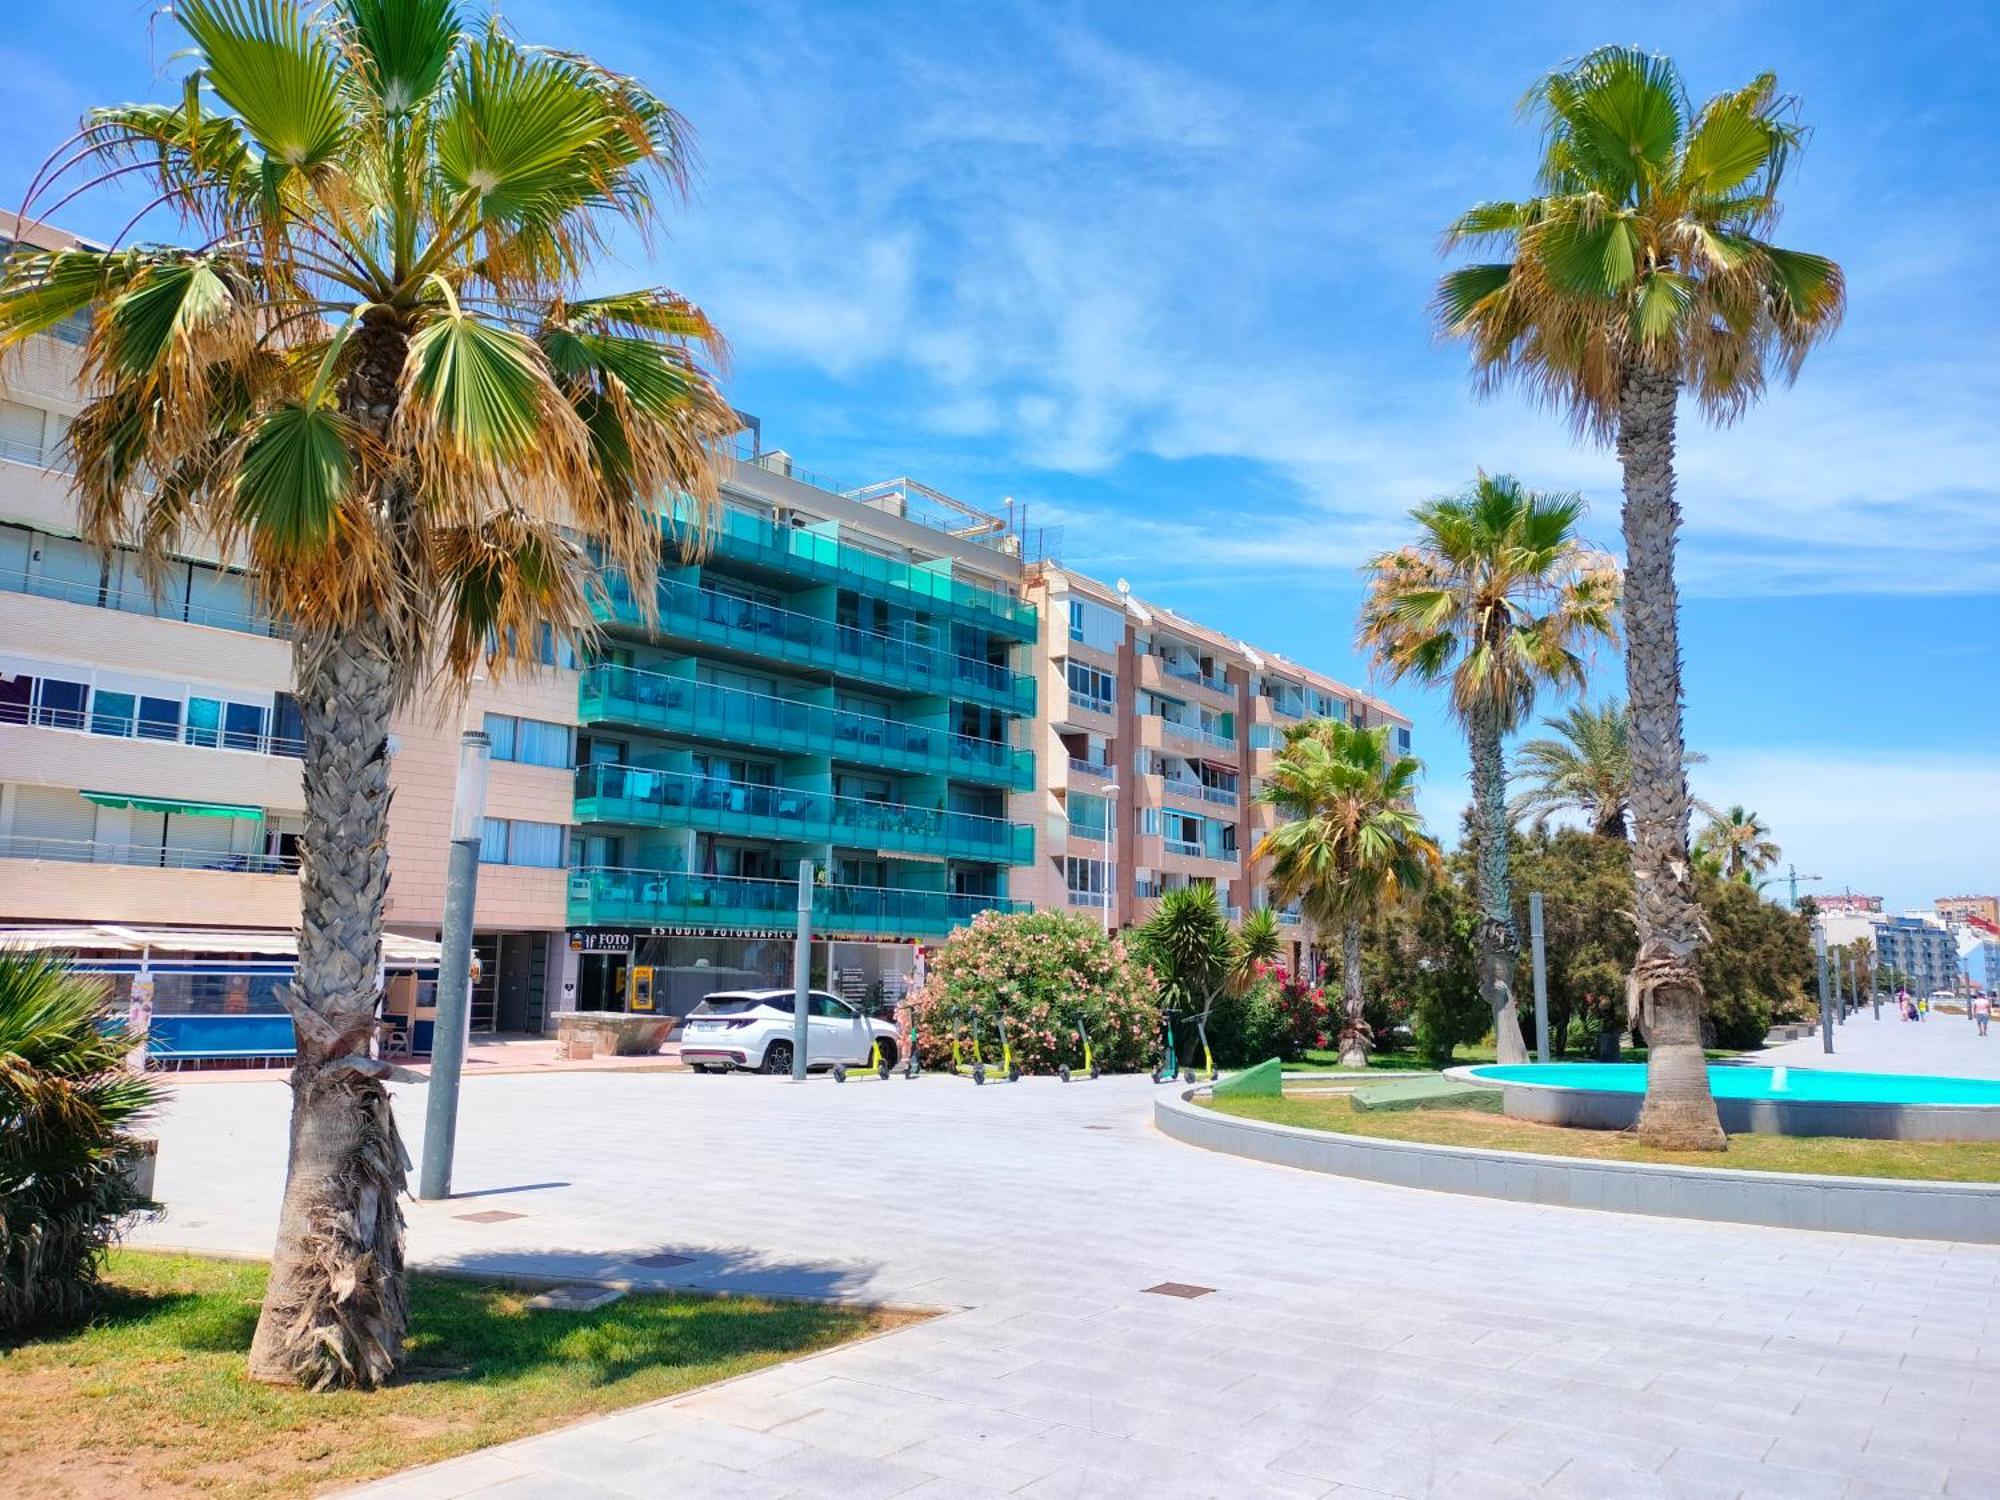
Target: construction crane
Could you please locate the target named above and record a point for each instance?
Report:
(1793, 877)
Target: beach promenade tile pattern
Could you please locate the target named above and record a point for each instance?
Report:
(1360, 1341)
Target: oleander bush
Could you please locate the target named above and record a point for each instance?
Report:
(67, 1105)
(1045, 968)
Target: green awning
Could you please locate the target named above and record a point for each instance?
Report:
(167, 805)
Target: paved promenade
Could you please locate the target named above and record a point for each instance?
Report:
(1358, 1341)
(1946, 1045)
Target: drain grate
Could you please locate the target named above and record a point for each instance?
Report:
(661, 1262)
(1179, 1289)
(489, 1216)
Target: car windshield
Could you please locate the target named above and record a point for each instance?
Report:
(738, 1005)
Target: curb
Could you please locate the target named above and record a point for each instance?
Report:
(1963, 1212)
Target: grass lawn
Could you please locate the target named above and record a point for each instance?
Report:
(1936, 1161)
(1413, 1062)
(151, 1398)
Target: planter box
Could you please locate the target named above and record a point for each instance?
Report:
(610, 1033)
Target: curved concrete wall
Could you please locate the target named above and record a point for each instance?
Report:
(1965, 1211)
(1594, 1109)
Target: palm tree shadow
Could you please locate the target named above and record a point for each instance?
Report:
(736, 1305)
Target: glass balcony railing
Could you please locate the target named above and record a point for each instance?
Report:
(603, 896)
(1199, 735)
(714, 618)
(682, 705)
(145, 856)
(1096, 769)
(672, 799)
(806, 552)
(136, 599)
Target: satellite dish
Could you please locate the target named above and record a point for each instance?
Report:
(1124, 587)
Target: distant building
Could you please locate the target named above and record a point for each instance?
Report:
(1979, 954)
(1847, 901)
(1922, 952)
(1953, 910)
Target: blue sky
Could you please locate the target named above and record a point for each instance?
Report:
(1160, 272)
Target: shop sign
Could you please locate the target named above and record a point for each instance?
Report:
(599, 940)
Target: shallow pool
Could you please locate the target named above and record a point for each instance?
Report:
(1730, 1082)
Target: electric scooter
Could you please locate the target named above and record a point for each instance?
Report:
(1168, 1067)
(1089, 1064)
(1009, 1069)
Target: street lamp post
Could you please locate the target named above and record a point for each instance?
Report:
(454, 981)
(1110, 851)
(1825, 993)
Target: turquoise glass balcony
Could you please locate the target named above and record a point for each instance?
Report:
(604, 897)
(802, 552)
(688, 612)
(671, 799)
(634, 699)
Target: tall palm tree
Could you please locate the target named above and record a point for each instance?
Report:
(1351, 842)
(370, 374)
(1740, 843)
(1498, 598)
(1641, 269)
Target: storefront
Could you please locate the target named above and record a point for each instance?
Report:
(620, 969)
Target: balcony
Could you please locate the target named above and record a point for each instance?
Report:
(820, 556)
(688, 612)
(601, 896)
(654, 701)
(1092, 769)
(1157, 732)
(1088, 712)
(136, 599)
(670, 799)
(83, 881)
(1199, 791)
(1163, 674)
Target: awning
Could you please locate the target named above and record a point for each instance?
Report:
(169, 805)
(398, 950)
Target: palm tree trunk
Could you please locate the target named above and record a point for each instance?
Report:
(1499, 938)
(1353, 1030)
(1679, 1113)
(335, 1309)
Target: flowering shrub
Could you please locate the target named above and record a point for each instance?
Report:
(1286, 1017)
(1047, 967)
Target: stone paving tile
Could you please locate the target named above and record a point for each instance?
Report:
(1359, 1339)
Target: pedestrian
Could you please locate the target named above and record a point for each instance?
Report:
(1982, 1012)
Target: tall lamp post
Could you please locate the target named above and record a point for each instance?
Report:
(454, 987)
(1110, 851)
(1825, 993)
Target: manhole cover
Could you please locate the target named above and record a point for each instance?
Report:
(1180, 1289)
(661, 1262)
(489, 1216)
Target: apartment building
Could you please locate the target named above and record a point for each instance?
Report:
(1155, 732)
(1954, 911)
(842, 678)
(1919, 949)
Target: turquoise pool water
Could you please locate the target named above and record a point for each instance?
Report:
(1758, 1083)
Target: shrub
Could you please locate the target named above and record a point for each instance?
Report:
(1285, 1017)
(66, 1101)
(1047, 967)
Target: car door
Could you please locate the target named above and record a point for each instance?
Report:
(835, 1031)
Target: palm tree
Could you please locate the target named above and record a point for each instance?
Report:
(1641, 269)
(1498, 598)
(68, 1102)
(370, 375)
(1586, 768)
(1351, 842)
(1740, 844)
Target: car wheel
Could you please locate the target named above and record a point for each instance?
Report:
(778, 1058)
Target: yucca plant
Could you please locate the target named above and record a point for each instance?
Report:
(67, 1106)
(1188, 942)
(372, 370)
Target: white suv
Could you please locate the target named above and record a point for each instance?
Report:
(753, 1029)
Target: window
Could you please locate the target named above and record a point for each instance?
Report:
(1089, 816)
(288, 727)
(160, 718)
(243, 726)
(59, 704)
(552, 651)
(113, 713)
(1086, 880)
(514, 841)
(1091, 688)
(826, 1007)
(531, 742)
